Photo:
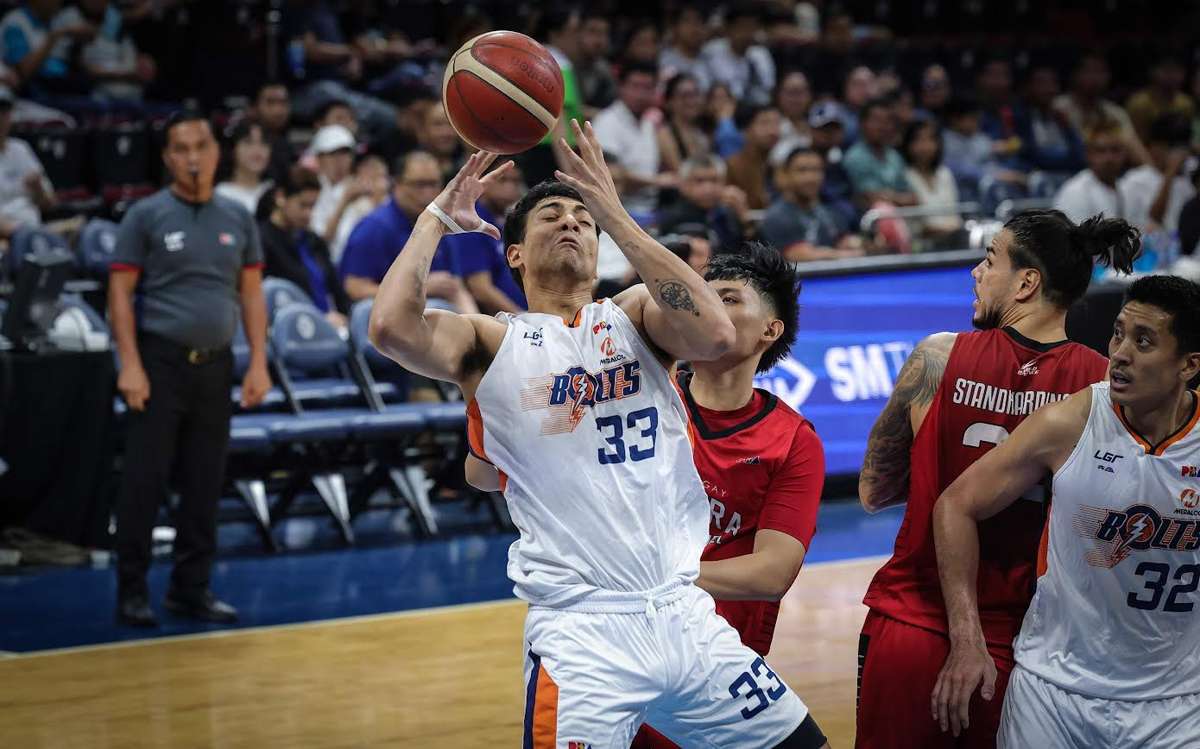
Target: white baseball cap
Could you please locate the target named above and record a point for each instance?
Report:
(332, 138)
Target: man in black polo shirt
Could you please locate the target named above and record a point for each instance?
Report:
(185, 259)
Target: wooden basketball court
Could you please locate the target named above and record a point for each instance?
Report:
(427, 678)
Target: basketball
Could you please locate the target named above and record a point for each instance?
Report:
(502, 92)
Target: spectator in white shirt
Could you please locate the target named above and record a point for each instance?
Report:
(24, 189)
(1094, 190)
(737, 61)
(628, 128)
(931, 180)
(368, 191)
(334, 148)
(683, 55)
(245, 161)
(1155, 192)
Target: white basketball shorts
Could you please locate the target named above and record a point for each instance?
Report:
(595, 672)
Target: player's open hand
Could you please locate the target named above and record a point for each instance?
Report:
(968, 666)
(587, 173)
(458, 199)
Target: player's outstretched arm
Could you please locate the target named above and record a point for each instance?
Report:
(1040, 445)
(434, 343)
(678, 312)
(883, 480)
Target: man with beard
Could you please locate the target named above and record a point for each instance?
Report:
(958, 396)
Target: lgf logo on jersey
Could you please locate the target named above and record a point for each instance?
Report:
(600, 326)
(1190, 472)
(607, 347)
(1189, 499)
(1109, 458)
(173, 241)
(1028, 368)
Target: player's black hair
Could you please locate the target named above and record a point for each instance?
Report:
(180, 117)
(1177, 296)
(1064, 252)
(774, 278)
(514, 221)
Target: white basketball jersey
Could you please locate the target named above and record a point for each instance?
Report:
(590, 438)
(1116, 614)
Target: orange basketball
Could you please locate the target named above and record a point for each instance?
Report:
(502, 92)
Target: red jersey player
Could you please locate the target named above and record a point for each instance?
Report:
(761, 462)
(956, 397)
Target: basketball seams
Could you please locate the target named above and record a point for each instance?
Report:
(466, 105)
(551, 70)
(506, 87)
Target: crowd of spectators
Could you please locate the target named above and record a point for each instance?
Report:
(722, 121)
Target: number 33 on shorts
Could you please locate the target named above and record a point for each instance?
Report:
(747, 686)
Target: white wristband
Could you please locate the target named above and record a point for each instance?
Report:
(444, 217)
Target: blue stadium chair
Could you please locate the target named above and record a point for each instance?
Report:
(304, 343)
(97, 244)
(280, 293)
(30, 239)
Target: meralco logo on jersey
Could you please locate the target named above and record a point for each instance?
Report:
(569, 394)
(1119, 533)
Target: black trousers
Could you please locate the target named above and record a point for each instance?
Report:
(180, 439)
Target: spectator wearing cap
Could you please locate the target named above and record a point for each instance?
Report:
(334, 147)
(25, 191)
(272, 109)
(682, 55)
(876, 170)
(379, 237)
(1094, 190)
(1154, 193)
(794, 99)
(481, 261)
(749, 168)
(705, 199)
(737, 60)
(796, 222)
(293, 252)
(1163, 95)
(194, 261)
(629, 128)
(828, 134)
(110, 60)
(38, 52)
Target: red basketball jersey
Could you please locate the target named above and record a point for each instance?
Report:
(993, 380)
(762, 467)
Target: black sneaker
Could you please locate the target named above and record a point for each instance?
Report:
(135, 611)
(204, 607)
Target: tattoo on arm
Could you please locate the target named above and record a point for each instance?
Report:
(676, 296)
(886, 467)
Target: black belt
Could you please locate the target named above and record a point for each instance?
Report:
(195, 356)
